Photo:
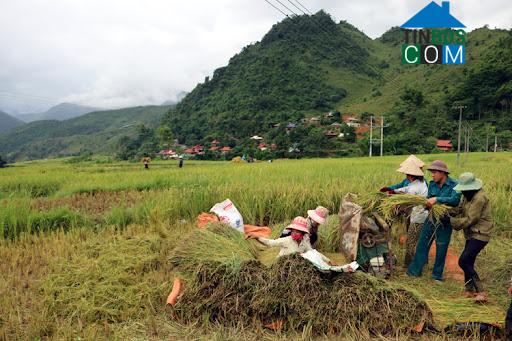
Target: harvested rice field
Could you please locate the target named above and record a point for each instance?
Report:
(91, 251)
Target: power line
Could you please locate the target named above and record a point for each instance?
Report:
(286, 7)
(271, 4)
(303, 7)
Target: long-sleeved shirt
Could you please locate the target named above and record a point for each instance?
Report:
(417, 187)
(475, 218)
(313, 233)
(402, 184)
(287, 245)
(444, 195)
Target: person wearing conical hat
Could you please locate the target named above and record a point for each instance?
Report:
(476, 221)
(417, 186)
(296, 242)
(404, 182)
(440, 191)
(315, 218)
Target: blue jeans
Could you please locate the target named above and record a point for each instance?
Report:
(442, 235)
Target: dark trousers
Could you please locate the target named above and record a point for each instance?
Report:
(508, 324)
(467, 263)
(429, 233)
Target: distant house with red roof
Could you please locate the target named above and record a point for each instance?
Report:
(445, 145)
(331, 134)
(225, 149)
(195, 150)
(166, 154)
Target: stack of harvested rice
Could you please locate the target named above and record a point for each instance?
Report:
(216, 243)
(329, 235)
(291, 290)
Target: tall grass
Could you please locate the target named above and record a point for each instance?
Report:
(265, 194)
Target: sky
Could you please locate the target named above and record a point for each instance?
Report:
(113, 53)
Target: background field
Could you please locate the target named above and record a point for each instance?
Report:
(112, 225)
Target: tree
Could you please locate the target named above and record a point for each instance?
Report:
(165, 136)
(3, 163)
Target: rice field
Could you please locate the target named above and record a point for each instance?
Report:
(112, 226)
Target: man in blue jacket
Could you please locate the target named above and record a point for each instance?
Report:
(440, 191)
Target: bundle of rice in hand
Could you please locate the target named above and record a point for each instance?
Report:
(370, 201)
(391, 206)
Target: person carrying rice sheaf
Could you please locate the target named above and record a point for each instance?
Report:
(417, 186)
(315, 218)
(440, 191)
(476, 221)
(296, 242)
(411, 158)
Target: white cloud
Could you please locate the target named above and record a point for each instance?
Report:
(115, 53)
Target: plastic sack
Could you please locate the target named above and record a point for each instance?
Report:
(319, 261)
(228, 213)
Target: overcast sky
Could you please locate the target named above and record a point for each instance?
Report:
(118, 53)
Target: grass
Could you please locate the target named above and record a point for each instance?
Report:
(133, 218)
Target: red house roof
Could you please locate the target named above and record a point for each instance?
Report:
(225, 149)
(444, 143)
(215, 141)
(214, 148)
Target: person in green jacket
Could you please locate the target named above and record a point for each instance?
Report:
(475, 220)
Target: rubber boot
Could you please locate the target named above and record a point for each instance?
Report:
(469, 290)
(481, 295)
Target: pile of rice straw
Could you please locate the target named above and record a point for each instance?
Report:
(246, 293)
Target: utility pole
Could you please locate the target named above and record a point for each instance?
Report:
(371, 135)
(379, 140)
(495, 143)
(460, 107)
(381, 135)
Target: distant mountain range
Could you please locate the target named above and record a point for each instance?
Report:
(96, 132)
(8, 122)
(60, 112)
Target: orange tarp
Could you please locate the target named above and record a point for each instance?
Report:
(260, 231)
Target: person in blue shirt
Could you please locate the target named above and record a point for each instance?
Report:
(405, 182)
(440, 191)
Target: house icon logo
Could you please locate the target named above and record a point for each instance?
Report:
(434, 36)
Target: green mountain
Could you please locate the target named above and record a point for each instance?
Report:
(60, 112)
(301, 64)
(303, 67)
(307, 65)
(97, 132)
(8, 122)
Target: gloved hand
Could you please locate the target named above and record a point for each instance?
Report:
(445, 219)
(384, 189)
